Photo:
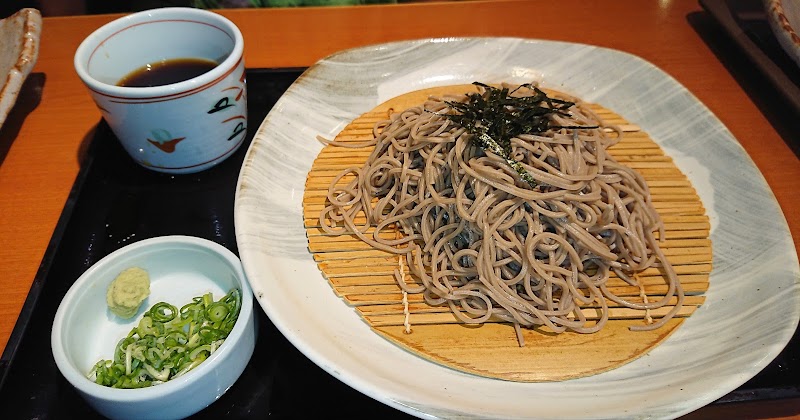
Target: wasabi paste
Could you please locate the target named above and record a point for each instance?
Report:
(127, 292)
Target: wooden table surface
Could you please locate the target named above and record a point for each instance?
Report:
(40, 156)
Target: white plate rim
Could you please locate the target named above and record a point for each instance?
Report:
(358, 70)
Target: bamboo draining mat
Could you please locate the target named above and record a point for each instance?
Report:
(363, 277)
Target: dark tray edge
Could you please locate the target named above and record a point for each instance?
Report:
(721, 13)
(29, 306)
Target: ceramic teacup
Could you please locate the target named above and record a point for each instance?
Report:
(184, 126)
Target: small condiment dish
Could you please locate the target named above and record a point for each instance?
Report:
(180, 268)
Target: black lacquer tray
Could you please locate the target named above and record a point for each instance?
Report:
(742, 39)
(114, 202)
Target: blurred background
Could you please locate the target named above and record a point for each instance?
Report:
(79, 7)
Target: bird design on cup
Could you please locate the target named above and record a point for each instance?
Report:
(226, 102)
(164, 141)
(181, 124)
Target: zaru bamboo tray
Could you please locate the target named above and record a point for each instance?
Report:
(363, 277)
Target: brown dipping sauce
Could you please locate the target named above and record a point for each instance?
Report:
(167, 72)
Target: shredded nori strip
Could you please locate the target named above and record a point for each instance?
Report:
(495, 117)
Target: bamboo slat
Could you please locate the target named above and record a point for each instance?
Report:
(363, 277)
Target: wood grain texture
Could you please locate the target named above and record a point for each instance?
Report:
(496, 353)
(41, 159)
(363, 277)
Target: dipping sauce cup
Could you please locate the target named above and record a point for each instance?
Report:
(192, 122)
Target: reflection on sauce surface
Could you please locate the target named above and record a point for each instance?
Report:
(167, 72)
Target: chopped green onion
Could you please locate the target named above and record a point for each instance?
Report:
(197, 352)
(168, 342)
(163, 312)
(217, 311)
(162, 376)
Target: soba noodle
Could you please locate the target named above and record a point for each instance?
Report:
(483, 242)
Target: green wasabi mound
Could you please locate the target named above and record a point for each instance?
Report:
(127, 292)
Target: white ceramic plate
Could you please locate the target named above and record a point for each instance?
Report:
(752, 306)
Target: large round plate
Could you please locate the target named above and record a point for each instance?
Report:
(752, 306)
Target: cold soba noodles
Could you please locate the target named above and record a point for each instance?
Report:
(508, 207)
